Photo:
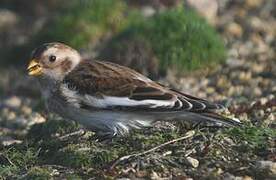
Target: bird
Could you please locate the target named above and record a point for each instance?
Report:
(111, 99)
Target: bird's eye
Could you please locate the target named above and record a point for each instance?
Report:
(52, 58)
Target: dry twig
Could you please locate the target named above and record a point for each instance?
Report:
(124, 158)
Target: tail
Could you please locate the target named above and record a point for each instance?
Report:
(210, 119)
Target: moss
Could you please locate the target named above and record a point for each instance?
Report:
(81, 157)
(38, 173)
(20, 156)
(73, 177)
(72, 158)
(82, 22)
(8, 171)
(179, 38)
(52, 128)
(18, 159)
(255, 138)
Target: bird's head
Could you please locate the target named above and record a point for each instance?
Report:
(53, 60)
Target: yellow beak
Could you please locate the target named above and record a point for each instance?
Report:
(34, 69)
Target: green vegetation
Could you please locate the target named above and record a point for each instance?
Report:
(179, 38)
(83, 22)
(257, 138)
(45, 152)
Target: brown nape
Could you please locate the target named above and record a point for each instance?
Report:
(66, 65)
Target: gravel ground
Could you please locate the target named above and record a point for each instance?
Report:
(246, 84)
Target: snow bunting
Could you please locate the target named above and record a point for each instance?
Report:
(111, 99)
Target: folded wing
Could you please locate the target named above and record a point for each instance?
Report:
(107, 85)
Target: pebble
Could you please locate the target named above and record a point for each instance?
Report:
(207, 8)
(257, 68)
(148, 11)
(5, 111)
(12, 102)
(245, 76)
(263, 101)
(266, 166)
(271, 118)
(7, 18)
(253, 3)
(234, 29)
(26, 110)
(229, 176)
(154, 176)
(229, 141)
(193, 162)
(36, 118)
(11, 115)
(257, 91)
(247, 178)
(210, 90)
(6, 141)
(21, 122)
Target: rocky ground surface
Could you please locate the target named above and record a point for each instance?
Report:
(32, 145)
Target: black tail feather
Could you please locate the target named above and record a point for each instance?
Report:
(211, 118)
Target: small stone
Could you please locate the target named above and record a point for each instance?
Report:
(256, 23)
(245, 76)
(260, 114)
(7, 18)
(12, 102)
(234, 29)
(244, 117)
(266, 166)
(5, 111)
(141, 174)
(257, 68)
(55, 172)
(11, 115)
(193, 162)
(148, 11)
(228, 141)
(36, 118)
(6, 141)
(241, 13)
(229, 176)
(257, 91)
(154, 176)
(26, 110)
(247, 178)
(210, 90)
(271, 118)
(20, 121)
(263, 101)
(207, 8)
(253, 3)
(219, 171)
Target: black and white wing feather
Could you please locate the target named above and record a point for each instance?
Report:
(106, 85)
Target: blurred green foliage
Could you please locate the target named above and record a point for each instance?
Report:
(257, 138)
(175, 38)
(179, 38)
(82, 22)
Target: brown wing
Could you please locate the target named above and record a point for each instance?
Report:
(112, 85)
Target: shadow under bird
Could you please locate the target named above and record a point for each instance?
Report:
(111, 99)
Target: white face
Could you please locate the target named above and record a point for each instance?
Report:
(55, 61)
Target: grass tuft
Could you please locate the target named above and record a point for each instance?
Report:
(179, 38)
